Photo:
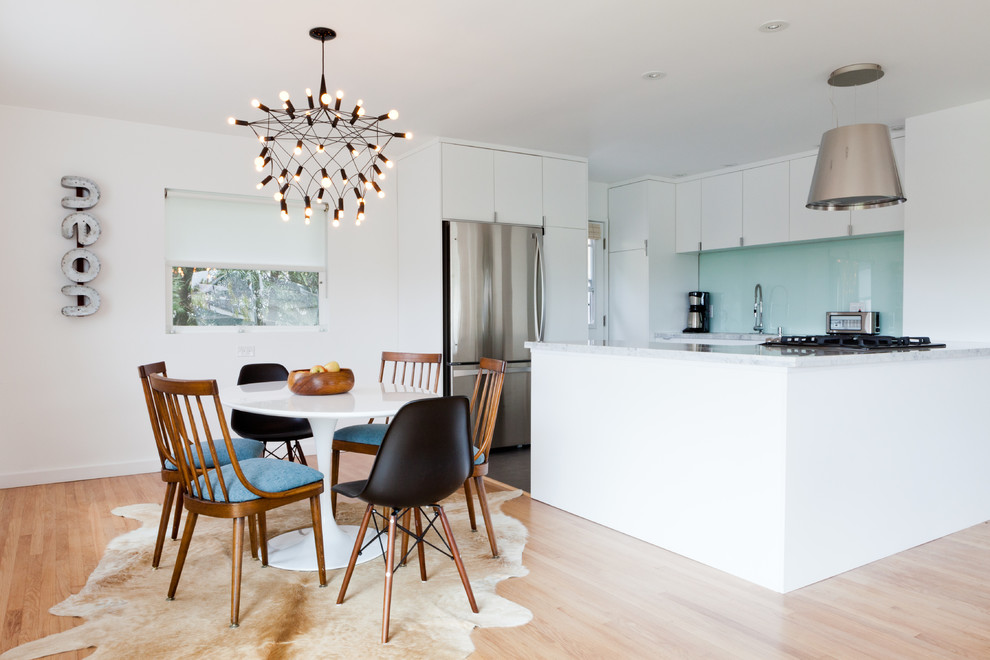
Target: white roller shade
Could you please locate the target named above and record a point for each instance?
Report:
(231, 230)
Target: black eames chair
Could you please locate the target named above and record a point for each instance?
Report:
(425, 456)
(268, 428)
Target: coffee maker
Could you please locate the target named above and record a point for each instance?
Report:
(698, 302)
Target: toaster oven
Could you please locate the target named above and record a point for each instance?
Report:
(852, 323)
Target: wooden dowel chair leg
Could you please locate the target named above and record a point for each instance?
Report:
(479, 483)
(354, 553)
(253, 532)
(263, 537)
(180, 559)
(170, 489)
(334, 476)
(314, 508)
(419, 544)
(235, 572)
(457, 559)
(389, 570)
(470, 504)
(178, 514)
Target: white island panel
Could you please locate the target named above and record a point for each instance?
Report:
(666, 452)
(772, 469)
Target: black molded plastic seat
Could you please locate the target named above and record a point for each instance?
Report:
(269, 428)
(425, 456)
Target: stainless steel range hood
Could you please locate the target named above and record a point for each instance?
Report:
(856, 167)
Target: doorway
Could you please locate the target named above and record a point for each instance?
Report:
(597, 282)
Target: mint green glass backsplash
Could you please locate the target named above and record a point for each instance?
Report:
(803, 281)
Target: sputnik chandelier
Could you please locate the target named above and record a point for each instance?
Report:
(321, 150)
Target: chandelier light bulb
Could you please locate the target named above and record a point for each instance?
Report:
(393, 114)
(298, 173)
(283, 96)
(277, 196)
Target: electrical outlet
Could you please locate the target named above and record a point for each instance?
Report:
(245, 351)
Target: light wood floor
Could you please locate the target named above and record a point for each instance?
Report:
(594, 593)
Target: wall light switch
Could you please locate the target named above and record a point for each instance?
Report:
(245, 351)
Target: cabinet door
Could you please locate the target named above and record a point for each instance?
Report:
(565, 253)
(766, 204)
(565, 193)
(468, 175)
(807, 224)
(688, 224)
(628, 212)
(886, 218)
(721, 211)
(518, 188)
(628, 297)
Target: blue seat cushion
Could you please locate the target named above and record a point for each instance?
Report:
(271, 475)
(480, 459)
(243, 449)
(365, 434)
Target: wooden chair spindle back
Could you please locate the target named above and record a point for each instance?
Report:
(484, 404)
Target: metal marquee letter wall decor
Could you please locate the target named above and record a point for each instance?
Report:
(80, 264)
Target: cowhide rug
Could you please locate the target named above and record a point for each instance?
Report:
(284, 614)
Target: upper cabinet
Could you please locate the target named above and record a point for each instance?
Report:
(486, 185)
(688, 216)
(628, 218)
(885, 218)
(807, 224)
(765, 204)
(721, 211)
(562, 205)
(519, 188)
(468, 183)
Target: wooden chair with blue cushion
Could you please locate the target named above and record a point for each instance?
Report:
(270, 430)
(484, 412)
(196, 432)
(169, 470)
(410, 369)
(425, 456)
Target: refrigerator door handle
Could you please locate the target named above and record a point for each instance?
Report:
(539, 290)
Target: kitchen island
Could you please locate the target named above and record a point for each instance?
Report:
(779, 467)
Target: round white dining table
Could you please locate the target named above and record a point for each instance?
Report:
(297, 550)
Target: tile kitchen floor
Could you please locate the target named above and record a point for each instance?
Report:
(510, 465)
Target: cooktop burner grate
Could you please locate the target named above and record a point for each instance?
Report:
(854, 342)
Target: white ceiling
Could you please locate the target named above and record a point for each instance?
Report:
(553, 75)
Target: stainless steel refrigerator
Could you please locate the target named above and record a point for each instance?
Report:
(493, 302)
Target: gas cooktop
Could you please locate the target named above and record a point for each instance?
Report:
(853, 342)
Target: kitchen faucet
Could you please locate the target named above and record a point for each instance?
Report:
(758, 309)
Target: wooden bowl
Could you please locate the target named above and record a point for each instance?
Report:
(327, 382)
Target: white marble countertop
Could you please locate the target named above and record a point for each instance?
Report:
(746, 349)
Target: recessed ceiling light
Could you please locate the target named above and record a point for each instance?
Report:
(773, 26)
(654, 75)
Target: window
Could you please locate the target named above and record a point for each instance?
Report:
(232, 261)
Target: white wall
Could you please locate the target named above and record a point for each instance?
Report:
(71, 403)
(947, 225)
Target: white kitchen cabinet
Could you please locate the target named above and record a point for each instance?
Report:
(629, 297)
(563, 203)
(468, 183)
(565, 253)
(721, 211)
(628, 212)
(486, 185)
(886, 218)
(765, 204)
(518, 188)
(688, 216)
(807, 224)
